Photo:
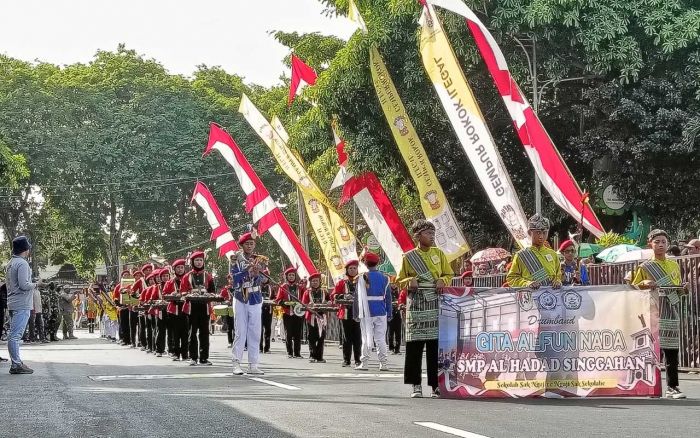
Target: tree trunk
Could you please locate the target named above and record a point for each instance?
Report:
(114, 244)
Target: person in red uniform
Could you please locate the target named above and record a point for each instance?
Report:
(136, 289)
(316, 321)
(146, 315)
(345, 289)
(178, 318)
(198, 280)
(123, 314)
(226, 295)
(158, 313)
(290, 291)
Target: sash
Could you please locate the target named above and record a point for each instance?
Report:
(426, 280)
(669, 320)
(533, 264)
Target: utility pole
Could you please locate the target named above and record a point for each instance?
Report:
(303, 234)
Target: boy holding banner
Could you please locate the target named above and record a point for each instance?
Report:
(661, 272)
(424, 272)
(537, 265)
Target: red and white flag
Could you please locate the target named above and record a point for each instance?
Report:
(302, 75)
(258, 201)
(543, 154)
(379, 214)
(343, 173)
(220, 231)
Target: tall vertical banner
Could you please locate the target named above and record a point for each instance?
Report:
(448, 236)
(463, 111)
(597, 341)
(336, 239)
(220, 231)
(548, 163)
(258, 201)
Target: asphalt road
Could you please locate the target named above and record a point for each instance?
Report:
(92, 388)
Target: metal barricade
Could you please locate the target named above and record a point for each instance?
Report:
(689, 307)
(494, 280)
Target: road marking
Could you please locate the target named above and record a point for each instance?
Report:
(448, 429)
(277, 384)
(158, 376)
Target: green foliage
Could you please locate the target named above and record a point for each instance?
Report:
(611, 239)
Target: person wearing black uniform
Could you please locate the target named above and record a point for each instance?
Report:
(266, 319)
(200, 281)
(395, 323)
(178, 318)
(291, 292)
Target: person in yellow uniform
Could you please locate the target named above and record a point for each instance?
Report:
(537, 265)
(662, 272)
(424, 272)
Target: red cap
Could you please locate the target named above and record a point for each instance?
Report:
(565, 244)
(352, 263)
(315, 275)
(164, 271)
(138, 272)
(466, 274)
(244, 238)
(290, 270)
(152, 275)
(178, 262)
(147, 266)
(197, 254)
(371, 257)
(125, 272)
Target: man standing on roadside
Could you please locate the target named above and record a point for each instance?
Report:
(20, 300)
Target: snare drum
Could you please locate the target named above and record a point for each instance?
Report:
(223, 310)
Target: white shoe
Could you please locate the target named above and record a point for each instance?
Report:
(255, 370)
(417, 392)
(362, 366)
(384, 367)
(193, 363)
(237, 370)
(674, 393)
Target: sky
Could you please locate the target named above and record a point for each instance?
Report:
(180, 34)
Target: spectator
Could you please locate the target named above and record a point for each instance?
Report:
(3, 306)
(65, 306)
(693, 247)
(20, 300)
(36, 321)
(674, 251)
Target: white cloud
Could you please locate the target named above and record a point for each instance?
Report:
(179, 33)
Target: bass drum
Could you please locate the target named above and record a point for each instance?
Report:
(223, 310)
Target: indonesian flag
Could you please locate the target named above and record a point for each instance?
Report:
(379, 213)
(302, 75)
(258, 201)
(343, 173)
(543, 154)
(221, 233)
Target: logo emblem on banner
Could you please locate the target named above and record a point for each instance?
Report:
(525, 300)
(572, 300)
(547, 301)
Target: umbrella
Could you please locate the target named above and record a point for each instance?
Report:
(587, 249)
(611, 254)
(490, 255)
(633, 256)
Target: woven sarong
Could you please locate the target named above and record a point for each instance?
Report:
(669, 319)
(422, 315)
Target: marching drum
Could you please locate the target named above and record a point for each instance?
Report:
(223, 310)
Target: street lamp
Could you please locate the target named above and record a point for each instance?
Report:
(537, 93)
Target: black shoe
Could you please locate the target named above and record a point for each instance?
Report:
(346, 364)
(21, 369)
(2, 359)
(289, 356)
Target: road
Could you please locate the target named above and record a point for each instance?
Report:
(93, 388)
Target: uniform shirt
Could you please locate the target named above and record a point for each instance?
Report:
(436, 262)
(243, 280)
(670, 268)
(344, 287)
(317, 296)
(518, 274)
(378, 296)
(283, 295)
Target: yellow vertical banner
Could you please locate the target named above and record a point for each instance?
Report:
(324, 219)
(448, 236)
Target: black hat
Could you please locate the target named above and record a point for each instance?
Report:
(20, 244)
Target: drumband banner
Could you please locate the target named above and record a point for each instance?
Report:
(597, 341)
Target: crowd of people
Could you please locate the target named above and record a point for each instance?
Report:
(169, 310)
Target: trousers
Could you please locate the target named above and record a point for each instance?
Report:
(395, 333)
(169, 330)
(373, 330)
(293, 328)
(352, 340)
(199, 334)
(159, 335)
(67, 319)
(316, 342)
(18, 322)
(36, 327)
(229, 329)
(248, 321)
(413, 363)
(266, 327)
(124, 332)
(133, 327)
(671, 360)
(180, 335)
